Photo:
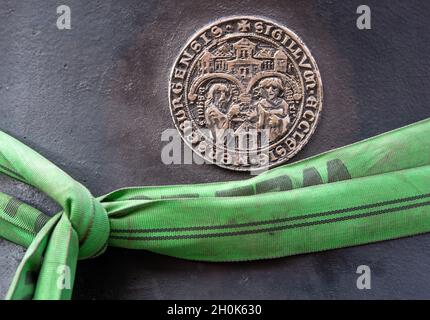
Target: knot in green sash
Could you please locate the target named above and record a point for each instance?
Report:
(88, 218)
(373, 190)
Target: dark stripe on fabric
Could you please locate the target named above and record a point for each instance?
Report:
(282, 183)
(241, 191)
(12, 172)
(18, 226)
(41, 220)
(140, 198)
(12, 207)
(179, 196)
(311, 177)
(89, 228)
(273, 229)
(273, 221)
(5, 160)
(337, 171)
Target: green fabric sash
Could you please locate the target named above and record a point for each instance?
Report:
(373, 190)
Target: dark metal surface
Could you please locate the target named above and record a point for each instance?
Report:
(94, 100)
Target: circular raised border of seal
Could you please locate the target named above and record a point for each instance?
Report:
(245, 93)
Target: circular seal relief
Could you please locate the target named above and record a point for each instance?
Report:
(245, 93)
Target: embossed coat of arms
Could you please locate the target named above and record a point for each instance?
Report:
(245, 93)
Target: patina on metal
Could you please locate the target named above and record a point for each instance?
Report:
(245, 93)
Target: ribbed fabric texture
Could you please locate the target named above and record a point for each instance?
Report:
(374, 190)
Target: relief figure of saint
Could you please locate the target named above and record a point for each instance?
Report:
(218, 112)
(271, 112)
